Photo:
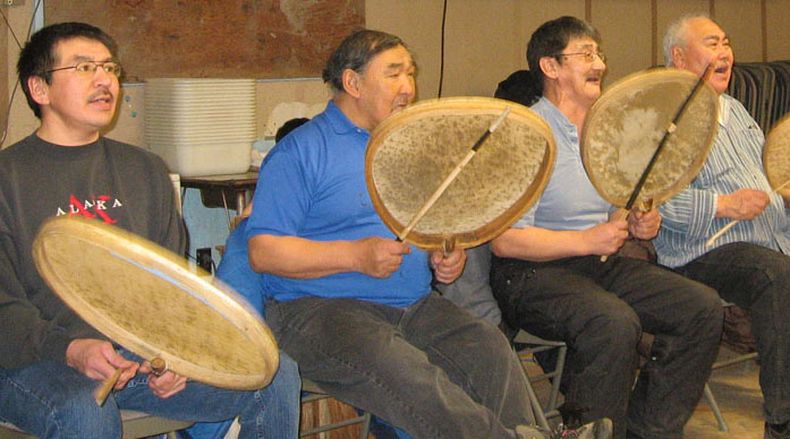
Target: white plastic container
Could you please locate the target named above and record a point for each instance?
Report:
(201, 126)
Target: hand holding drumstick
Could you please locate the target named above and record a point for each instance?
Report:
(643, 222)
(98, 360)
(743, 204)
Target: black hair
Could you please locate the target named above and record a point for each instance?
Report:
(552, 37)
(289, 126)
(521, 86)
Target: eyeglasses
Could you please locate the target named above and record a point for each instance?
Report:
(589, 55)
(88, 68)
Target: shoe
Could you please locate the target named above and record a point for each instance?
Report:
(598, 429)
(777, 431)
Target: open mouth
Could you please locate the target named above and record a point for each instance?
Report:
(102, 97)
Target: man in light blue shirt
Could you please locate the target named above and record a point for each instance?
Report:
(749, 264)
(548, 277)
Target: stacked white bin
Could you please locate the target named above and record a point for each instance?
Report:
(201, 126)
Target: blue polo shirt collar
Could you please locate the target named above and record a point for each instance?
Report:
(339, 122)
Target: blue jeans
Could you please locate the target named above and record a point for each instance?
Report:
(757, 279)
(53, 400)
(430, 369)
(281, 398)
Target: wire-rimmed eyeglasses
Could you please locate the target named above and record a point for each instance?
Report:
(589, 55)
(87, 68)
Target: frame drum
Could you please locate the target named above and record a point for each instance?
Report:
(411, 153)
(776, 156)
(148, 300)
(626, 124)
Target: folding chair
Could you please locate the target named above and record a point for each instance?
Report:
(312, 392)
(527, 345)
(743, 330)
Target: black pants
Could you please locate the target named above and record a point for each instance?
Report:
(758, 279)
(600, 309)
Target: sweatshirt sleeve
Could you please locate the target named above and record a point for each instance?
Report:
(27, 336)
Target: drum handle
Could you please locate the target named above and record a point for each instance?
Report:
(729, 225)
(644, 206)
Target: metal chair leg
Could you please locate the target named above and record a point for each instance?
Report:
(711, 400)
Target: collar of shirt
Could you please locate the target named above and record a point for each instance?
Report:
(339, 122)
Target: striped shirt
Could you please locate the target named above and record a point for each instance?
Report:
(734, 162)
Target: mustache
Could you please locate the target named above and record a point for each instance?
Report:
(101, 93)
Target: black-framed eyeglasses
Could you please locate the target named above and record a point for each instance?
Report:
(589, 55)
(88, 68)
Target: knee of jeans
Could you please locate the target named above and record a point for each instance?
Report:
(288, 372)
(82, 417)
(707, 303)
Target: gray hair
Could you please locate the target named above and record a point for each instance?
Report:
(675, 35)
(355, 52)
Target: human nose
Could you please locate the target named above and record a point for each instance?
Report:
(408, 85)
(598, 62)
(101, 76)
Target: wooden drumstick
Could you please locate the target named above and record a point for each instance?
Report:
(732, 223)
(158, 367)
(453, 174)
(103, 391)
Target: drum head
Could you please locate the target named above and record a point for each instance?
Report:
(411, 153)
(148, 300)
(776, 156)
(625, 126)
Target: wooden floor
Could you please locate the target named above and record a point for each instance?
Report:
(737, 391)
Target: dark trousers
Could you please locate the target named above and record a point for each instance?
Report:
(600, 309)
(431, 369)
(758, 279)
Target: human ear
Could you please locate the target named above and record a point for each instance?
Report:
(678, 57)
(39, 90)
(549, 66)
(350, 80)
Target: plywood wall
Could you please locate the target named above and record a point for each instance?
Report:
(485, 40)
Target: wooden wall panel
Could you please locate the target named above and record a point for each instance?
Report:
(777, 29)
(624, 27)
(482, 45)
(742, 20)
(418, 23)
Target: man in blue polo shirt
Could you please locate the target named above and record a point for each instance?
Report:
(352, 305)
